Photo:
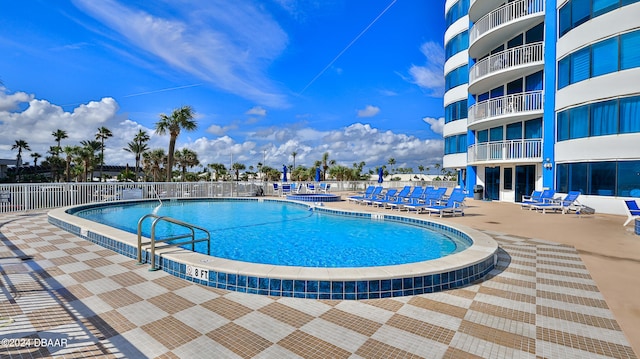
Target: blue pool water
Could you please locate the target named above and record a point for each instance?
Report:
(281, 233)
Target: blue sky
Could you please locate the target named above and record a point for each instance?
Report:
(359, 79)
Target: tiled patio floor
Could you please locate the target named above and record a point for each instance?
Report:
(62, 296)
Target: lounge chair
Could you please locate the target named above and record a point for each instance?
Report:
(545, 197)
(367, 193)
(454, 204)
(390, 195)
(409, 199)
(382, 202)
(633, 211)
(566, 204)
(286, 189)
(295, 188)
(324, 187)
(534, 198)
(311, 188)
(431, 198)
(376, 192)
(276, 189)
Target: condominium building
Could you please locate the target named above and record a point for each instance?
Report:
(544, 94)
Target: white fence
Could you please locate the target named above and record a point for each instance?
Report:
(504, 14)
(506, 105)
(515, 56)
(23, 197)
(511, 150)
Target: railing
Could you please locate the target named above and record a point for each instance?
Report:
(506, 13)
(509, 150)
(510, 104)
(16, 197)
(515, 56)
(192, 228)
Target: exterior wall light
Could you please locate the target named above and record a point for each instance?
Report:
(547, 164)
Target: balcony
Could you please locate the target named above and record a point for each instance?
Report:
(506, 151)
(503, 22)
(506, 65)
(522, 105)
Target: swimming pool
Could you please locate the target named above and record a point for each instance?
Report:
(454, 270)
(286, 233)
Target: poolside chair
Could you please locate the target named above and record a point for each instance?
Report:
(295, 188)
(366, 193)
(392, 197)
(376, 192)
(546, 196)
(286, 189)
(410, 199)
(454, 204)
(382, 199)
(431, 198)
(276, 189)
(566, 204)
(531, 199)
(633, 211)
(311, 188)
(324, 187)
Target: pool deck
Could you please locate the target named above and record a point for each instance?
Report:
(564, 287)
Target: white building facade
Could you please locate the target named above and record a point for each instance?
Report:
(544, 94)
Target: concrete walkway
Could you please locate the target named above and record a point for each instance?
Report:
(564, 287)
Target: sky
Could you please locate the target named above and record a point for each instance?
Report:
(359, 79)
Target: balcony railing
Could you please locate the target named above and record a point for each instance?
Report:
(516, 56)
(504, 14)
(505, 105)
(510, 150)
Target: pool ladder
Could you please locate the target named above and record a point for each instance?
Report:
(158, 219)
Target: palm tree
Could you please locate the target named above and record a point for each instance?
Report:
(218, 168)
(294, 154)
(89, 157)
(35, 157)
(186, 158)
(70, 151)
(152, 162)
(181, 118)
(325, 164)
(237, 167)
(392, 161)
(102, 134)
(20, 145)
(59, 135)
(138, 146)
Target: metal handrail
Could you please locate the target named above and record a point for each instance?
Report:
(153, 242)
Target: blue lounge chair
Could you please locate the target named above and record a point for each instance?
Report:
(383, 198)
(376, 192)
(534, 198)
(410, 199)
(276, 189)
(566, 204)
(286, 189)
(633, 211)
(455, 204)
(311, 188)
(324, 187)
(431, 198)
(382, 202)
(366, 193)
(545, 197)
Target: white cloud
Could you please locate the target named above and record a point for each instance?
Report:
(430, 76)
(229, 49)
(436, 124)
(369, 111)
(257, 111)
(12, 101)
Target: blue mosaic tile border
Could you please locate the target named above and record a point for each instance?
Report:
(314, 197)
(312, 289)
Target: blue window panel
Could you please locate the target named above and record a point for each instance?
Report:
(497, 92)
(483, 97)
(516, 41)
(629, 54)
(534, 82)
(562, 178)
(630, 114)
(604, 59)
(514, 87)
(563, 126)
(483, 136)
(514, 131)
(455, 111)
(580, 12)
(563, 72)
(535, 34)
(602, 6)
(579, 68)
(604, 118)
(602, 178)
(533, 128)
(456, 77)
(565, 19)
(462, 144)
(495, 134)
(458, 43)
(627, 179)
(579, 122)
(578, 177)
